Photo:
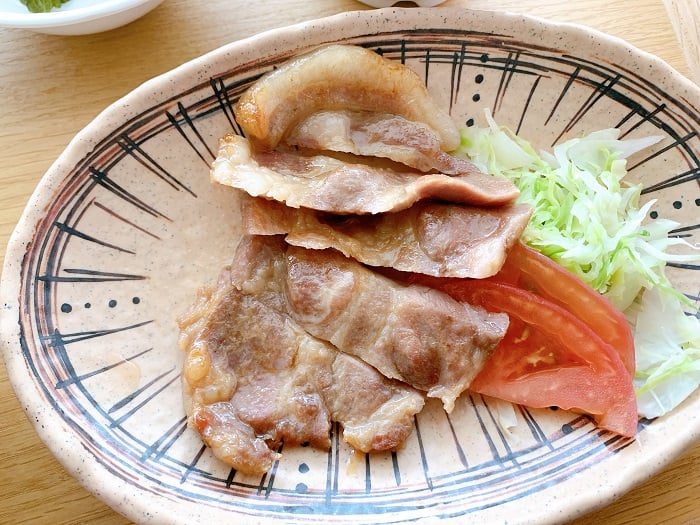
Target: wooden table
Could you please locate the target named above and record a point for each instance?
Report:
(53, 86)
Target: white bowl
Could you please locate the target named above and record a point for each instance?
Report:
(76, 17)
(125, 226)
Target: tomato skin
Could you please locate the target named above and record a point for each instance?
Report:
(574, 369)
(549, 355)
(534, 271)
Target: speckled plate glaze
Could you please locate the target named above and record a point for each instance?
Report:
(125, 227)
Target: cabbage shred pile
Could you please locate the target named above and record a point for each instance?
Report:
(589, 220)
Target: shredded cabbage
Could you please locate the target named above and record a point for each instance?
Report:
(589, 220)
(667, 343)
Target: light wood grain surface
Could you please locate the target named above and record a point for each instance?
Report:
(51, 87)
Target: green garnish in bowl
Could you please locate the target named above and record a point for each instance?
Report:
(42, 6)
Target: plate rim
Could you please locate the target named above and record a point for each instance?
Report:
(33, 401)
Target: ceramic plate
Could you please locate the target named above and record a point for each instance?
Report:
(125, 227)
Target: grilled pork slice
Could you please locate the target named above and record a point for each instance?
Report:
(338, 77)
(378, 135)
(253, 378)
(407, 332)
(329, 184)
(443, 240)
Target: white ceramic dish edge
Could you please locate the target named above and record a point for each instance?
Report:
(82, 20)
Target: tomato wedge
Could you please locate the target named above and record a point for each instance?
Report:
(531, 270)
(558, 350)
(550, 358)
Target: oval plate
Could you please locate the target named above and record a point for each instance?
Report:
(126, 226)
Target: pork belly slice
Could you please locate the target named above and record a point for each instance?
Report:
(329, 184)
(338, 77)
(253, 379)
(408, 332)
(442, 240)
(378, 135)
